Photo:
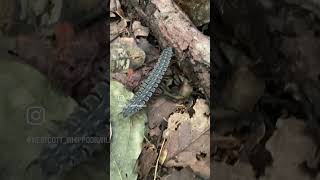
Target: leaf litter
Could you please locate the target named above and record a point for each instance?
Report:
(129, 35)
(267, 96)
(188, 140)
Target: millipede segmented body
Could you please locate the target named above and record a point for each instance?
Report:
(88, 120)
(150, 84)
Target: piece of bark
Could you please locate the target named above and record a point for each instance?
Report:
(172, 27)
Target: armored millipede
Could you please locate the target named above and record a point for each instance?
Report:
(88, 120)
(149, 85)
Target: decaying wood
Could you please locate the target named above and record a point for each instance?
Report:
(172, 27)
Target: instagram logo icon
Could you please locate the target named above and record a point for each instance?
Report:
(35, 115)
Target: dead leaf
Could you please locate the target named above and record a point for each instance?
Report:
(134, 78)
(225, 142)
(161, 108)
(34, 51)
(147, 160)
(139, 30)
(117, 28)
(64, 33)
(240, 171)
(243, 90)
(188, 140)
(114, 6)
(183, 174)
(155, 132)
(304, 51)
(289, 147)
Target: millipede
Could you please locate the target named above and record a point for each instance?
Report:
(149, 85)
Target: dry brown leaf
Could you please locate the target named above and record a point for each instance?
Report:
(161, 108)
(289, 147)
(197, 10)
(64, 33)
(304, 51)
(184, 174)
(117, 28)
(139, 30)
(240, 171)
(225, 142)
(7, 12)
(244, 90)
(188, 140)
(312, 5)
(147, 160)
(155, 132)
(114, 6)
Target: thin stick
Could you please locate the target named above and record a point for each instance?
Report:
(156, 168)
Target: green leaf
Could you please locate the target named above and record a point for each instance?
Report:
(127, 135)
(26, 94)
